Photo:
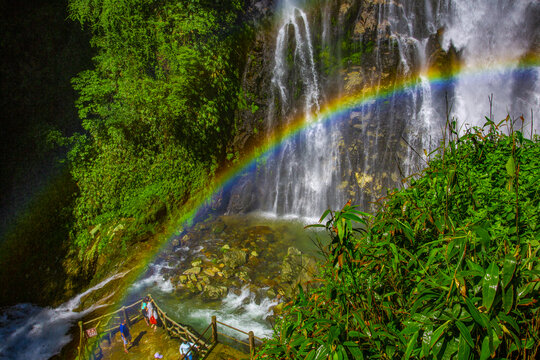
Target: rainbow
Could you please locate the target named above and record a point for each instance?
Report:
(333, 110)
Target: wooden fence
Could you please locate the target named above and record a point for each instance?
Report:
(105, 327)
(253, 341)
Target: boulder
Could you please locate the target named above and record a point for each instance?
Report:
(235, 258)
(215, 292)
(243, 275)
(196, 263)
(227, 273)
(194, 270)
(271, 293)
(225, 248)
(211, 271)
(291, 267)
(219, 227)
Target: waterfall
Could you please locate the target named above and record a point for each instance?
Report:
(297, 180)
(338, 48)
(494, 35)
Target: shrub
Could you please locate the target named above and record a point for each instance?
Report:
(448, 268)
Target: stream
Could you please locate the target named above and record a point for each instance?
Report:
(253, 288)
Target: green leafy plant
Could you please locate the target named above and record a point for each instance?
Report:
(448, 268)
(157, 110)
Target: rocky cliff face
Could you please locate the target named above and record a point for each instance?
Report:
(357, 45)
(306, 54)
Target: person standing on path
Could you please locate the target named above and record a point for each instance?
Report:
(152, 315)
(186, 350)
(124, 333)
(144, 309)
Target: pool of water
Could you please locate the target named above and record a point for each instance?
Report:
(248, 304)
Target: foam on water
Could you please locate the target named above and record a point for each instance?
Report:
(32, 332)
(242, 311)
(156, 280)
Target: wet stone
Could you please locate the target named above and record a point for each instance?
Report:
(194, 270)
(235, 258)
(215, 292)
(196, 263)
(243, 275)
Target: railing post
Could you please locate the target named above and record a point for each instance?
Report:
(164, 321)
(126, 317)
(214, 330)
(80, 338)
(251, 344)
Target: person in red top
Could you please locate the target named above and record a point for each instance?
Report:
(152, 315)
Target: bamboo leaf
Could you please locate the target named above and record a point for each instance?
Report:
(511, 166)
(466, 335)
(355, 351)
(484, 352)
(464, 350)
(509, 268)
(490, 284)
(475, 313)
(324, 215)
(411, 345)
(508, 299)
(322, 353)
(438, 333)
(354, 217)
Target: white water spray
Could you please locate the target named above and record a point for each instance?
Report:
(298, 180)
(32, 332)
(491, 35)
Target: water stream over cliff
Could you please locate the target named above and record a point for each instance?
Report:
(311, 158)
(338, 48)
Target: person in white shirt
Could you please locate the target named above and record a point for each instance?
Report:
(185, 350)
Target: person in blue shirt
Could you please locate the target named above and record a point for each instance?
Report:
(126, 336)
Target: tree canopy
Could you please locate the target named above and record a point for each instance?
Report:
(159, 106)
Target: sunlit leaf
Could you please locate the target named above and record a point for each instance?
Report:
(490, 284)
(509, 268)
(411, 345)
(511, 167)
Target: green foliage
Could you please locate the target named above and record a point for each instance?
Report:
(448, 268)
(157, 110)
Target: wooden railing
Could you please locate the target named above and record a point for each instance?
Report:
(105, 327)
(172, 328)
(108, 324)
(252, 339)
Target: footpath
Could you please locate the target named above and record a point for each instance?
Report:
(146, 342)
(100, 338)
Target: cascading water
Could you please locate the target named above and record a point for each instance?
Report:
(31, 332)
(297, 180)
(491, 35)
(384, 140)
